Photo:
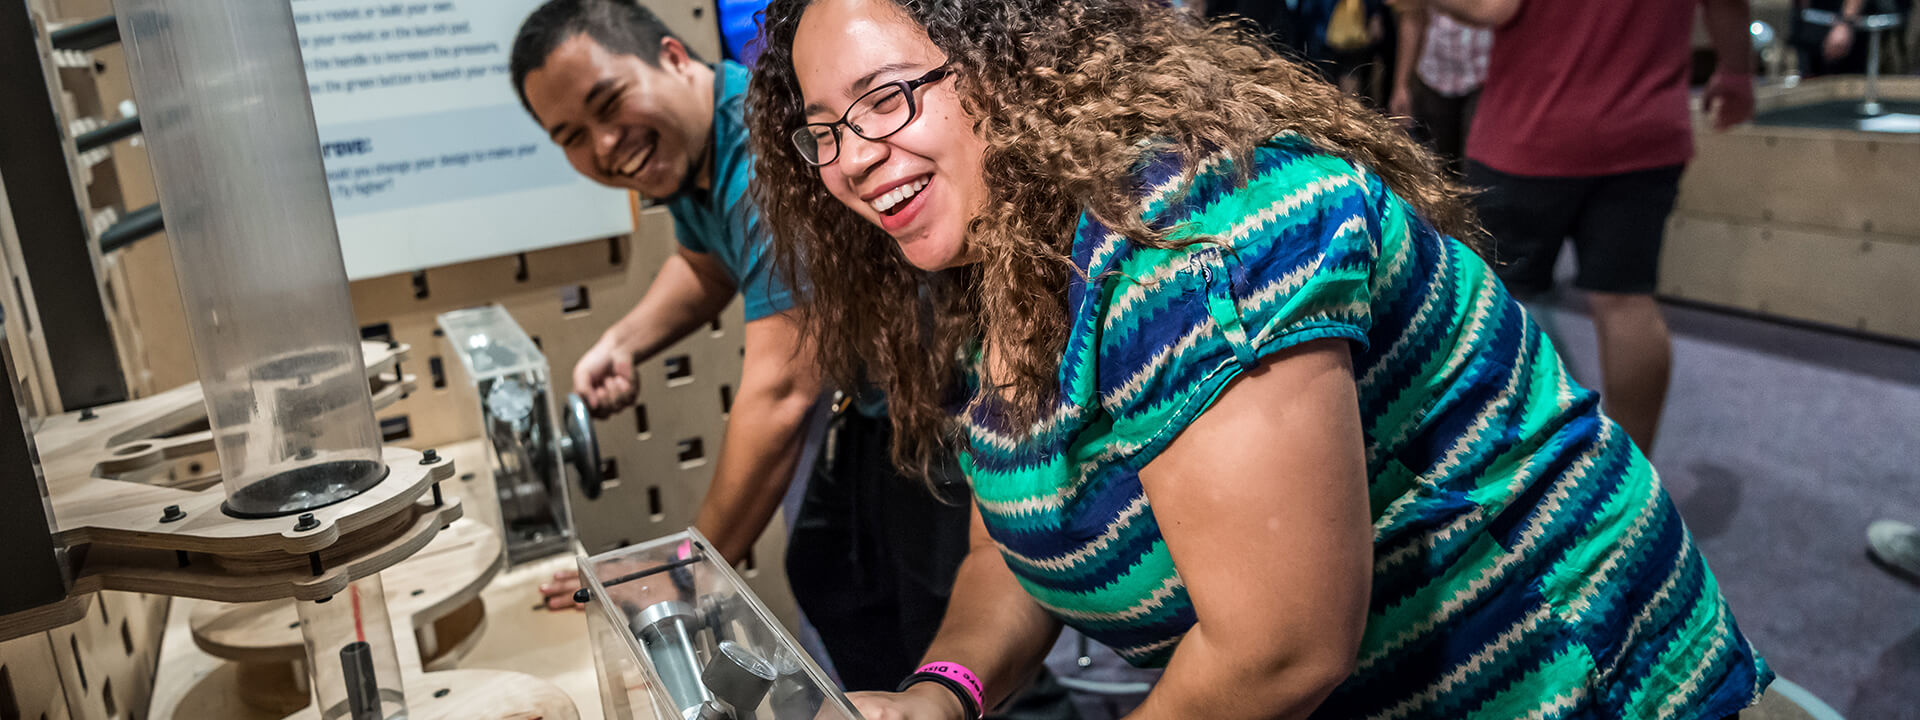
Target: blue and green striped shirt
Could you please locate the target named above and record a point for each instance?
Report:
(1527, 563)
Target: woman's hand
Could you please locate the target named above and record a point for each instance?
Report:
(924, 701)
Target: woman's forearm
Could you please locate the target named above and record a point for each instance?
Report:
(992, 626)
(1208, 678)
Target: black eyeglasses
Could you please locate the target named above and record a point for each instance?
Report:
(881, 112)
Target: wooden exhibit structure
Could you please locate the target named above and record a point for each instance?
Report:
(1815, 225)
(101, 664)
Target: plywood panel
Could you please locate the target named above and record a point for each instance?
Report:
(29, 676)
(1856, 281)
(107, 660)
(1810, 179)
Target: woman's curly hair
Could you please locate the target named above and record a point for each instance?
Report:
(1071, 98)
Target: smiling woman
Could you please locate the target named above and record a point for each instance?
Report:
(1229, 396)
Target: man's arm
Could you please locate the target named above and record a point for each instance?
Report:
(1729, 94)
(1413, 41)
(779, 385)
(1478, 13)
(690, 289)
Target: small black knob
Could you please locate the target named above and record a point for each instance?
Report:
(581, 596)
(171, 514)
(87, 414)
(305, 523)
(429, 457)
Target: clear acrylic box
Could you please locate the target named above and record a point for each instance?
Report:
(678, 636)
(509, 379)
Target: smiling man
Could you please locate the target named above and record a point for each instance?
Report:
(873, 555)
(634, 109)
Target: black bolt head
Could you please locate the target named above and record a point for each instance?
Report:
(442, 692)
(171, 514)
(306, 522)
(581, 596)
(429, 457)
(87, 414)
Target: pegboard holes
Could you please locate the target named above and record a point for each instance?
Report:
(574, 300)
(377, 332)
(9, 702)
(653, 504)
(73, 643)
(640, 426)
(537, 345)
(747, 566)
(609, 469)
(679, 370)
(726, 399)
(714, 327)
(101, 602)
(438, 368)
(692, 453)
(420, 291)
(614, 256)
(520, 273)
(106, 699)
(126, 638)
(395, 429)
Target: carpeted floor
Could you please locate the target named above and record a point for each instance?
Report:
(1780, 444)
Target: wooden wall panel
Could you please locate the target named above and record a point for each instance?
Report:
(1845, 280)
(107, 660)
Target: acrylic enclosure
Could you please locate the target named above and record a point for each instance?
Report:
(351, 657)
(229, 130)
(509, 377)
(677, 635)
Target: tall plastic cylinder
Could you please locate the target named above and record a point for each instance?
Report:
(351, 655)
(230, 133)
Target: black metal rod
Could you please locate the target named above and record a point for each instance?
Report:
(655, 570)
(135, 226)
(107, 134)
(87, 35)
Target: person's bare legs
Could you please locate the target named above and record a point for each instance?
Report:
(1636, 359)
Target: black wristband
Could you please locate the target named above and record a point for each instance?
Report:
(953, 686)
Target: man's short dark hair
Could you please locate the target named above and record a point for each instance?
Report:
(623, 27)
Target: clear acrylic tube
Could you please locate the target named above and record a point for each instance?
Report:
(351, 656)
(230, 133)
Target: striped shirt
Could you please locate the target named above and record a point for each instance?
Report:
(1527, 562)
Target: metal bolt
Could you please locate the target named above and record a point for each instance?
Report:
(305, 453)
(442, 692)
(87, 414)
(429, 457)
(293, 624)
(171, 514)
(418, 593)
(581, 596)
(305, 523)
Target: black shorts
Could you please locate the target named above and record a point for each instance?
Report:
(1617, 223)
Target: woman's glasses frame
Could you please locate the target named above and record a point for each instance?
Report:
(805, 137)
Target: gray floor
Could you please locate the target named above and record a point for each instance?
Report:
(1780, 444)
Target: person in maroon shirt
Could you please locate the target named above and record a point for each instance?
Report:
(1583, 130)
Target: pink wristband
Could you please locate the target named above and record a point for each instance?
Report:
(960, 674)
